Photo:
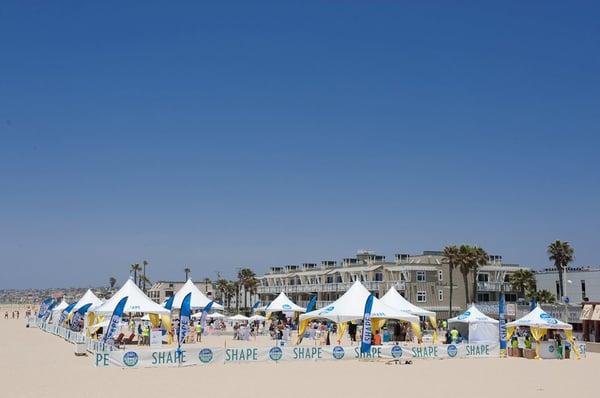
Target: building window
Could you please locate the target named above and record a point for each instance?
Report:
(420, 276)
(421, 296)
(440, 295)
(338, 279)
(379, 276)
(483, 277)
(483, 297)
(440, 276)
(510, 297)
(329, 279)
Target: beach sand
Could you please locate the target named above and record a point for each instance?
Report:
(38, 364)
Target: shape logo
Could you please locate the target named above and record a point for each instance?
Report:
(286, 307)
(452, 351)
(275, 353)
(464, 315)
(396, 351)
(327, 310)
(338, 352)
(130, 358)
(205, 355)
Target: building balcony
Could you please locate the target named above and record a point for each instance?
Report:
(329, 287)
(494, 287)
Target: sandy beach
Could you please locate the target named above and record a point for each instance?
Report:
(38, 364)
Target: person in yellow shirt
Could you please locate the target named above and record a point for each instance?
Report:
(454, 335)
(198, 332)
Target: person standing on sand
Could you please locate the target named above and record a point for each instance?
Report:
(198, 332)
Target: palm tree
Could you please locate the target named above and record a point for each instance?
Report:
(230, 290)
(543, 296)
(144, 264)
(523, 281)
(464, 266)
(112, 281)
(221, 286)
(451, 256)
(247, 280)
(478, 258)
(187, 273)
(135, 268)
(562, 254)
(145, 280)
(207, 282)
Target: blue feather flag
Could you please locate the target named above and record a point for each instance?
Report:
(365, 341)
(115, 321)
(184, 320)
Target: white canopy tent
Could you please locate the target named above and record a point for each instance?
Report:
(88, 298)
(137, 301)
(351, 307)
(282, 303)
(56, 311)
(257, 317)
(395, 300)
(476, 325)
(238, 318)
(538, 318)
(199, 300)
(214, 315)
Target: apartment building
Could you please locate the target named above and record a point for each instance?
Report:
(423, 279)
(162, 290)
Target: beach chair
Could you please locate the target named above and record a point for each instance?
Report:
(119, 339)
(129, 339)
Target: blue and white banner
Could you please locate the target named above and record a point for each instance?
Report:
(204, 315)
(44, 307)
(312, 304)
(65, 313)
(53, 304)
(115, 321)
(211, 356)
(502, 324)
(184, 319)
(365, 341)
(169, 303)
(77, 318)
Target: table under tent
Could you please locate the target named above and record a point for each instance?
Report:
(474, 326)
(350, 308)
(539, 323)
(395, 300)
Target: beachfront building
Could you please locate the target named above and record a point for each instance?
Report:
(582, 283)
(162, 290)
(423, 279)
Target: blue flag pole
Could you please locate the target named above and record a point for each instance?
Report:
(74, 326)
(311, 304)
(205, 314)
(65, 313)
(115, 320)
(184, 320)
(365, 341)
(169, 303)
(502, 325)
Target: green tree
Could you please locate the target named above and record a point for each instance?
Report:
(561, 253)
(523, 281)
(478, 258)
(543, 297)
(221, 286)
(112, 282)
(187, 271)
(247, 280)
(144, 279)
(451, 257)
(464, 266)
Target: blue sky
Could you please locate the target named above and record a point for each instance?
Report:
(267, 133)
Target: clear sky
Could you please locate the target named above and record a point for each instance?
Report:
(268, 133)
